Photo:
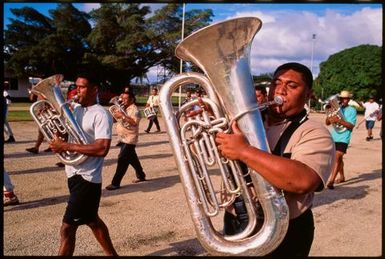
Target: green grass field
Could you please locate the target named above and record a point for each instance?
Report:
(19, 116)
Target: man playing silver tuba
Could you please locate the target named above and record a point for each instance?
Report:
(341, 138)
(301, 159)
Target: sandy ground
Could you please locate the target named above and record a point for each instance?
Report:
(152, 218)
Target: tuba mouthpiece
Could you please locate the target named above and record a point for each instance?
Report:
(278, 100)
(75, 99)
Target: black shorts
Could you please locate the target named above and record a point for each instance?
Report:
(342, 147)
(83, 203)
(298, 239)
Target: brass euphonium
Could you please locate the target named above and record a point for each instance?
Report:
(228, 83)
(333, 108)
(55, 119)
(117, 106)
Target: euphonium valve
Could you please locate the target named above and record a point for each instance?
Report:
(55, 119)
(229, 87)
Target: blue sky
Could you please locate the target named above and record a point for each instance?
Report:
(287, 29)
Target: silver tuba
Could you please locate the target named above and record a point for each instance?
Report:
(54, 118)
(333, 108)
(228, 83)
(117, 106)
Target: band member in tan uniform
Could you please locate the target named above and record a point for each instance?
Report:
(129, 137)
(301, 159)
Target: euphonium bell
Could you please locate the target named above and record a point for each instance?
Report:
(55, 119)
(224, 59)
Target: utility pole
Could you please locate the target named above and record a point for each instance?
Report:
(181, 61)
(311, 60)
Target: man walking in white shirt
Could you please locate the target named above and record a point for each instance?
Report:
(371, 111)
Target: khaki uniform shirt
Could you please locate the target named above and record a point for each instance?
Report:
(130, 135)
(312, 145)
(153, 100)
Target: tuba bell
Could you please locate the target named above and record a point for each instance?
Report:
(333, 108)
(55, 119)
(228, 83)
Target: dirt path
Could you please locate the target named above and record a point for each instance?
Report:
(152, 218)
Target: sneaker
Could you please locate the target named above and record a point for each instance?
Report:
(158, 130)
(32, 150)
(10, 200)
(48, 150)
(112, 187)
(11, 139)
(368, 138)
(147, 131)
(138, 180)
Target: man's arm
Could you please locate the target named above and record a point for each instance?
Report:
(287, 174)
(337, 119)
(125, 118)
(99, 148)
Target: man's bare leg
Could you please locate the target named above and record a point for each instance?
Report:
(67, 239)
(337, 164)
(101, 233)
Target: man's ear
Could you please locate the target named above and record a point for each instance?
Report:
(309, 94)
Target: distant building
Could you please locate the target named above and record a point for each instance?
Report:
(18, 87)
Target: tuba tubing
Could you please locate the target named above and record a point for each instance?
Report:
(274, 205)
(228, 83)
(54, 118)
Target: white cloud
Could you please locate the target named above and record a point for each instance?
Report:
(89, 7)
(152, 74)
(287, 36)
